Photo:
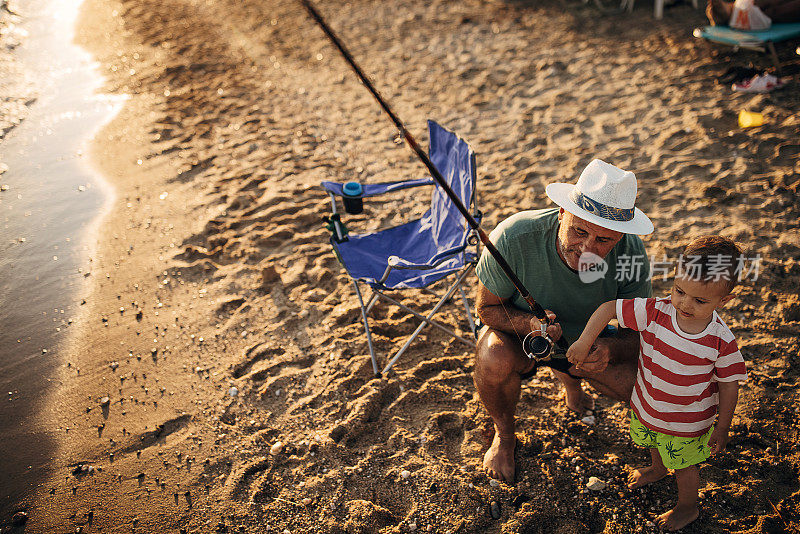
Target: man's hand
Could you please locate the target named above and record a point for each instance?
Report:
(553, 329)
(718, 440)
(597, 356)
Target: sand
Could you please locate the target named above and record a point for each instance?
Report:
(213, 269)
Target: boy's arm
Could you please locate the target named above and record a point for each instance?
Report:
(728, 396)
(580, 349)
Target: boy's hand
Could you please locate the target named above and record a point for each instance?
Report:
(599, 356)
(718, 440)
(578, 352)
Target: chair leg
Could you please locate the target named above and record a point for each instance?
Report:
(659, 9)
(426, 321)
(468, 311)
(366, 327)
(774, 55)
(372, 300)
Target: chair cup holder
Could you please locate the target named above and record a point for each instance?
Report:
(353, 203)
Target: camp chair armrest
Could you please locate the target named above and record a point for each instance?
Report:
(371, 190)
(396, 262)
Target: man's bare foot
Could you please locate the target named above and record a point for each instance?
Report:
(678, 517)
(645, 475)
(499, 459)
(578, 400)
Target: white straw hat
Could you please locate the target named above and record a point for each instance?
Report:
(604, 195)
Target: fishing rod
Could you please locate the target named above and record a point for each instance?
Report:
(536, 344)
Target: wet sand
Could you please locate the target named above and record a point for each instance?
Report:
(213, 269)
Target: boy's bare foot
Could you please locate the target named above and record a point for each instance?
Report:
(678, 517)
(578, 400)
(499, 459)
(645, 475)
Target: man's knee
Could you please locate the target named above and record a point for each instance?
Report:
(495, 356)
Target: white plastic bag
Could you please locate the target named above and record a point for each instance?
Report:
(748, 16)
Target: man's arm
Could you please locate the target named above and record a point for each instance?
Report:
(500, 314)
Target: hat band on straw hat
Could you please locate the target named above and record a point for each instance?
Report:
(601, 210)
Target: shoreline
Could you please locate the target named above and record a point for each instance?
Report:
(16, 92)
(212, 271)
(48, 208)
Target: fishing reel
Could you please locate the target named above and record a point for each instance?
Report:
(540, 347)
(538, 344)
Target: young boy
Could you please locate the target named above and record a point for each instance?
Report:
(689, 368)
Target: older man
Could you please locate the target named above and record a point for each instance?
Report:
(571, 259)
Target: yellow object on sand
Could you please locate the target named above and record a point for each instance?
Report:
(749, 118)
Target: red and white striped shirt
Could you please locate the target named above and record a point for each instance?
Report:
(676, 384)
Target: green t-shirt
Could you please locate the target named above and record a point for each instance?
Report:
(527, 241)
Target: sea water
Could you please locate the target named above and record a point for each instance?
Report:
(53, 198)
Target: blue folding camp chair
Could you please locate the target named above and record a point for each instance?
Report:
(419, 253)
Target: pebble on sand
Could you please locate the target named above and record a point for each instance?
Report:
(595, 484)
(276, 448)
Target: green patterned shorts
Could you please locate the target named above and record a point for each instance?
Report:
(676, 452)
